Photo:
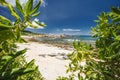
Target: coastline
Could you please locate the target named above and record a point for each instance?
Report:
(67, 46)
(62, 41)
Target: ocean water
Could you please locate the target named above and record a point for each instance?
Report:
(79, 38)
(68, 39)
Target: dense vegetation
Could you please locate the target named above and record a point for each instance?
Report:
(12, 62)
(101, 62)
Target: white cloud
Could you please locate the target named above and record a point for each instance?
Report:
(36, 19)
(71, 30)
(35, 24)
(24, 1)
(44, 3)
(13, 1)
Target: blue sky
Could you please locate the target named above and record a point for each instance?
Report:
(71, 16)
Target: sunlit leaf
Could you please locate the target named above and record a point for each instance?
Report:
(40, 24)
(4, 20)
(29, 6)
(19, 53)
(35, 14)
(13, 11)
(3, 26)
(30, 63)
(7, 57)
(3, 2)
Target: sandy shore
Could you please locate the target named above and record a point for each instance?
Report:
(50, 59)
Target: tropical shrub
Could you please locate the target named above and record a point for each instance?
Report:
(12, 62)
(101, 62)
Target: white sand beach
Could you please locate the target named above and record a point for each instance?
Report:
(50, 59)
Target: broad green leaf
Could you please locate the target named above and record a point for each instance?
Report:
(75, 44)
(19, 7)
(3, 2)
(6, 35)
(14, 70)
(97, 21)
(21, 71)
(79, 77)
(117, 38)
(29, 6)
(4, 20)
(116, 10)
(35, 14)
(6, 58)
(13, 12)
(19, 53)
(40, 24)
(3, 26)
(21, 40)
(13, 65)
(116, 19)
(30, 64)
(35, 8)
(28, 70)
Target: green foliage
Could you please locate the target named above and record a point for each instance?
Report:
(11, 69)
(65, 78)
(12, 62)
(101, 62)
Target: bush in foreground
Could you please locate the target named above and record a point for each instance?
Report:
(101, 62)
(12, 62)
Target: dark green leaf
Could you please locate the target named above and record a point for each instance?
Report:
(4, 20)
(35, 8)
(29, 5)
(19, 7)
(30, 64)
(19, 53)
(116, 10)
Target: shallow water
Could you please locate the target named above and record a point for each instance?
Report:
(68, 39)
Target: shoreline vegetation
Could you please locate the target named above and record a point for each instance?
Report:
(58, 57)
